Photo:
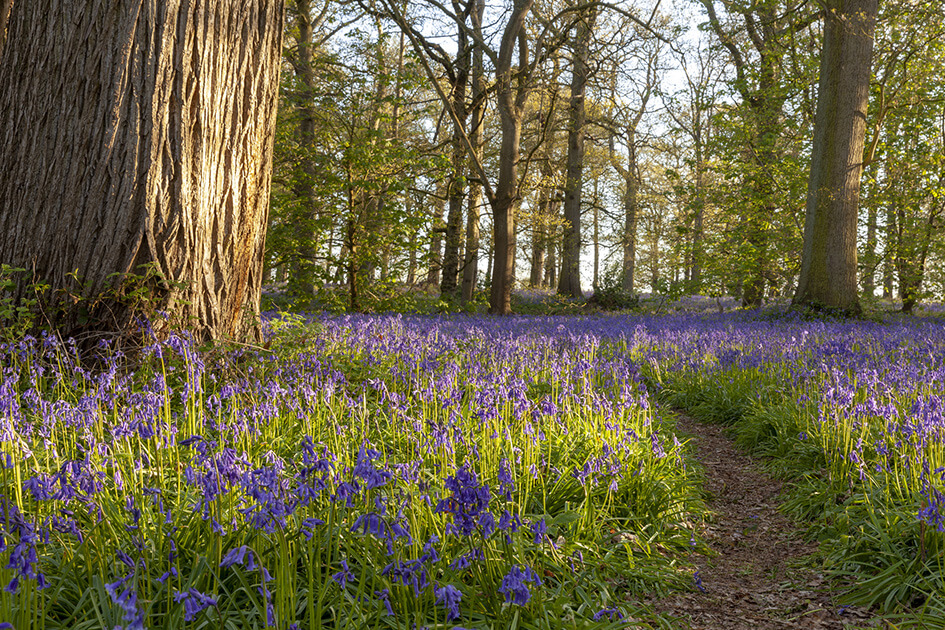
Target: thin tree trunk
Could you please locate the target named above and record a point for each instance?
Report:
(869, 267)
(457, 186)
(144, 142)
(477, 119)
(630, 211)
(412, 256)
(698, 229)
(511, 103)
(596, 282)
(539, 241)
(889, 252)
(828, 266)
(436, 240)
(551, 266)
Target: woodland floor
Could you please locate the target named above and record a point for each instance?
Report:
(755, 579)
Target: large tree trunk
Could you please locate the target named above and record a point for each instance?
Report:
(828, 266)
(4, 14)
(303, 278)
(140, 135)
(570, 281)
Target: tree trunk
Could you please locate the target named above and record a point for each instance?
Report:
(551, 267)
(412, 257)
(889, 252)
(436, 240)
(539, 240)
(596, 282)
(695, 273)
(303, 281)
(869, 267)
(511, 103)
(570, 281)
(477, 119)
(630, 208)
(5, 6)
(144, 141)
(457, 186)
(828, 266)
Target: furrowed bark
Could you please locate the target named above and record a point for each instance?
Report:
(136, 135)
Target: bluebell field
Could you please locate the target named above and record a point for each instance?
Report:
(452, 472)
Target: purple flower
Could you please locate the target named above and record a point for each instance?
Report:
(364, 469)
(514, 584)
(344, 576)
(449, 597)
(612, 614)
(698, 581)
(241, 555)
(194, 602)
(506, 481)
(467, 501)
(384, 596)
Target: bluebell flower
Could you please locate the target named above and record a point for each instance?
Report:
(506, 481)
(364, 469)
(344, 576)
(242, 556)
(612, 614)
(467, 501)
(514, 584)
(384, 596)
(697, 579)
(194, 602)
(370, 523)
(449, 597)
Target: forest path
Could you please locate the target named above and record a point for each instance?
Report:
(755, 581)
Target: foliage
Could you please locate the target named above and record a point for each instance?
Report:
(610, 294)
(378, 472)
(849, 411)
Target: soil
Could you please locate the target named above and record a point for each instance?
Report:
(756, 578)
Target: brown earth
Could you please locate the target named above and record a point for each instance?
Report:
(756, 580)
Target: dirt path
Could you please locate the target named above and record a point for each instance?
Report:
(754, 582)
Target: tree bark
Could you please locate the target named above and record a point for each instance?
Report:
(889, 251)
(570, 281)
(829, 265)
(630, 213)
(476, 141)
(5, 6)
(303, 281)
(436, 240)
(869, 268)
(145, 140)
(511, 103)
(457, 186)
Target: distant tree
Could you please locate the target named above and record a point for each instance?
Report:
(756, 37)
(143, 144)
